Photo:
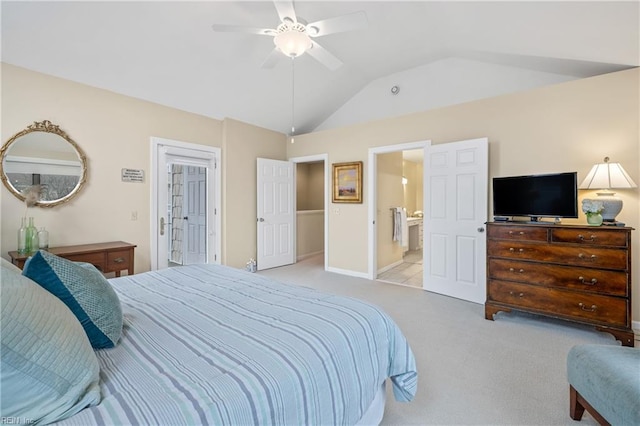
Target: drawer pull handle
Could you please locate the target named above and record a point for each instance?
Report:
(593, 308)
(514, 294)
(118, 260)
(511, 249)
(591, 238)
(519, 233)
(584, 256)
(519, 270)
(592, 282)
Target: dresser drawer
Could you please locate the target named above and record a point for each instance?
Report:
(601, 237)
(591, 257)
(118, 260)
(570, 277)
(96, 259)
(592, 308)
(526, 233)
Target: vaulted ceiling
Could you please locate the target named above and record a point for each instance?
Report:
(167, 52)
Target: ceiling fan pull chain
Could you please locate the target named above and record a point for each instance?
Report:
(293, 74)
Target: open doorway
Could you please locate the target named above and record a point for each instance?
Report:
(312, 201)
(198, 173)
(396, 188)
(400, 221)
(400, 257)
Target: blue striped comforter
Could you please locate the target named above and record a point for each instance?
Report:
(207, 344)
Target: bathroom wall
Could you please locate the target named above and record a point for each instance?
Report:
(390, 194)
(413, 189)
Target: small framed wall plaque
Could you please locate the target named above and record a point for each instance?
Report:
(133, 175)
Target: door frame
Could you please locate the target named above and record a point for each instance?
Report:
(214, 216)
(327, 191)
(372, 188)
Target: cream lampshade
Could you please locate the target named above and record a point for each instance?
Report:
(606, 176)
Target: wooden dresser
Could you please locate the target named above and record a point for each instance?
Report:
(576, 273)
(114, 256)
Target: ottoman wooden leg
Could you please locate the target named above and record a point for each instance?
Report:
(577, 405)
(576, 410)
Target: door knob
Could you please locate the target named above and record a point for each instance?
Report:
(260, 219)
(481, 229)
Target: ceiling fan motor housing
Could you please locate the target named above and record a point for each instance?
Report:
(292, 39)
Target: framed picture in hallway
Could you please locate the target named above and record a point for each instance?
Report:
(347, 182)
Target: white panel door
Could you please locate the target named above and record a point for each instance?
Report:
(456, 185)
(195, 243)
(276, 214)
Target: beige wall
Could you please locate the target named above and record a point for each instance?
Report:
(310, 186)
(242, 144)
(309, 233)
(114, 131)
(302, 183)
(564, 127)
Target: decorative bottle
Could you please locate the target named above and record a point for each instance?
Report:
(31, 231)
(22, 237)
(43, 238)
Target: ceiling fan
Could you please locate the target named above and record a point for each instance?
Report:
(294, 36)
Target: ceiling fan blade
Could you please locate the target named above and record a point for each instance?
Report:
(240, 29)
(339, 24)
(272, 59)
(285, 10)
(323, 56)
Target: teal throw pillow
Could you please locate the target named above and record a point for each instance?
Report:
(84, 290)
(48, 370)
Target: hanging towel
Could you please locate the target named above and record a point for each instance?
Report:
(400, 227)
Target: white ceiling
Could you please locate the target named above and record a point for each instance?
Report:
(166, 52)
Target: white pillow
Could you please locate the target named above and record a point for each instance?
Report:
(6, 264)
(48, 371)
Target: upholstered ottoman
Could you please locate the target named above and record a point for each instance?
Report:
(605, 380)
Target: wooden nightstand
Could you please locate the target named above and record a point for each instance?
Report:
(115, 256)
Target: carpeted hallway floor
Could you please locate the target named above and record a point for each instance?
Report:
(511, 371)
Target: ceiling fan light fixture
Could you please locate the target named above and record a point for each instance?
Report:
(292, 42)
(313, 31)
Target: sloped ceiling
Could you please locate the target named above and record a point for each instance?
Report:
(166, 52)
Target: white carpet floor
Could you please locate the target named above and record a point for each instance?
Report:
(511, 371)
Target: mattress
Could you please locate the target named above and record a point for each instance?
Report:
(209, 344)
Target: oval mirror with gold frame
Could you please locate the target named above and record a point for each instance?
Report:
(44, 160)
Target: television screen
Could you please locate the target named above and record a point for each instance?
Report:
(549, 195)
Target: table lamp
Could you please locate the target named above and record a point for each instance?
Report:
(606, 176)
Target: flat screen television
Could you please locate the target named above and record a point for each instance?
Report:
(536, 196)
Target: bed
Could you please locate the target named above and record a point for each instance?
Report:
(208, 344)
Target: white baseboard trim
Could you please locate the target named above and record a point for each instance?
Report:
(304, 256)
(391, 266)
(635, 325)
(348, 272)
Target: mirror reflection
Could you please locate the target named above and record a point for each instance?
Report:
(43, 155)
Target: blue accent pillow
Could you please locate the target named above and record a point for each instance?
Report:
(84, 290)
(48, 369)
